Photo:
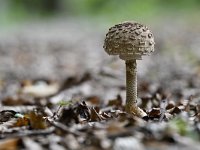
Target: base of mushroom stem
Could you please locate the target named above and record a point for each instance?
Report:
(135, 110)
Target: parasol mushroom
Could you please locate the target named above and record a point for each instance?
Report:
(131, 41)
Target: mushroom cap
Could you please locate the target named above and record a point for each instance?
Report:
(129, 40)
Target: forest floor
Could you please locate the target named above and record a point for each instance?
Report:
(60, 90)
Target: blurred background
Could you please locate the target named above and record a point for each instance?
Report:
(55, 39)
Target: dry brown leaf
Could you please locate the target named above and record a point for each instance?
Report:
(9, 144)
(154, 113)
(6, 115)
(22, 122)
(37, 121)
(93, 100)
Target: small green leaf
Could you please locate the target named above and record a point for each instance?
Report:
(64, 103)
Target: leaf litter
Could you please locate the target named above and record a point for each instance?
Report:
(88, 121)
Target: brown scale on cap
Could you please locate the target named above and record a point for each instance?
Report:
(129, 39)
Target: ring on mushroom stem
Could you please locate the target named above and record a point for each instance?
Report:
(133, 41)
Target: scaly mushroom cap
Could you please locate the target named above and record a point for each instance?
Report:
(129, 40)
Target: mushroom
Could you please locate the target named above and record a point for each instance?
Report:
(131, 41)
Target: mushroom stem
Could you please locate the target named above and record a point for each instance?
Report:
(131, 84)
(131, 89)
